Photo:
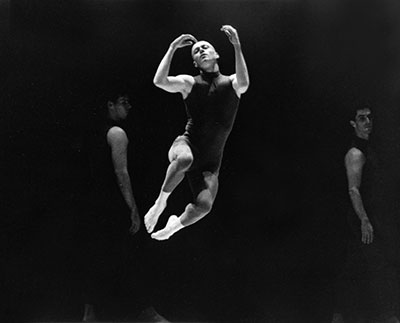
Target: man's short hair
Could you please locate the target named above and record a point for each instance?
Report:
(104, 89)
(359, 105)
(111, 90)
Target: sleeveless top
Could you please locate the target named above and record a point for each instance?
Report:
(105, 192)
(211, 109)
(369, 188)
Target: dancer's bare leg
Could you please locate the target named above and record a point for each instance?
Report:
(194, 211)
(181, 158)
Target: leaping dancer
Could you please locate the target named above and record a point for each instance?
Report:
(211, 101)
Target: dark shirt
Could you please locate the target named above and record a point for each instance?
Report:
(211, 108)
(372, 290)
(105, 191)
(370, 179)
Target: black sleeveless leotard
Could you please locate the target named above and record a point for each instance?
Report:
(211, 108)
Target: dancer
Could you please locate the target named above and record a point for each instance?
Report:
(367, 287)
(211, 101)
(113, 212)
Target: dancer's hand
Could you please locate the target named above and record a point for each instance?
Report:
(183, 41)
(231, 33)
(367, 231)
(135, 222)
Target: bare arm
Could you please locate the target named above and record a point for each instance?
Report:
(118, 141)
(354, 162)
(174, 84)
(240, 80)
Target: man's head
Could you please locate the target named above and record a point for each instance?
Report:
(362, 122)
(118, 107)
(112, 99)
(205, 56)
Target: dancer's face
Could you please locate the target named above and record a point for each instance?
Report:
(204, 54)
(120, 108)
(362, 123)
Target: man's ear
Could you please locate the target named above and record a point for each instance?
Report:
(195, 64)
(352, 123)
(216, 53)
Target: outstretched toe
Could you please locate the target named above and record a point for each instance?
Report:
(173, 226)
(151, 217)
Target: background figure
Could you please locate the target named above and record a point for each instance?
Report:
(111, 202)
(211, 101)
(106, 224)
(368, 286)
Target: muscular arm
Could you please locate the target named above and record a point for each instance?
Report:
(354, 162)
(174, 84)
(240, 80)
(118, 142)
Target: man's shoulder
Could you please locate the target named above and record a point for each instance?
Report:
(354, 154)
(186, 78)
(116, 131)
(116, 135)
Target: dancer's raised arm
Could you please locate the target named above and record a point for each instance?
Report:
(174, 84)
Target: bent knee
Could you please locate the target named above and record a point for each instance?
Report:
(184, 160)
(208, 174)
(211, 180)
(204, 207)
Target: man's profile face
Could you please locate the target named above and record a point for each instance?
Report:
(121, 107)
(362, 123)
(203, 54)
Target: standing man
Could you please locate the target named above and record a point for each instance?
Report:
(211, 101)
(113, 214)
(367, 287)
(112, 202)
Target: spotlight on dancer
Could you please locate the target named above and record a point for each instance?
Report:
(211, 101)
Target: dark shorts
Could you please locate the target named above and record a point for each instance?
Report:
(202, 163)
(204, 159)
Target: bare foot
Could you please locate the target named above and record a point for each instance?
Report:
(393, 319)
(337, 318)
(151, 315)
(89, 314)
(173, 226)
(151, 218)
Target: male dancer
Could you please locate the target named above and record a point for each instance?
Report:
(112, 204)
(111, 199)
(367, 286)
(211, 101)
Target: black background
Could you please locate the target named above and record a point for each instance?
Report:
(270, 249)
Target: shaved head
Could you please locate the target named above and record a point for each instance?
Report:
(199, 44)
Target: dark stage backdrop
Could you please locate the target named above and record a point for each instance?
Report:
(270, 249)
